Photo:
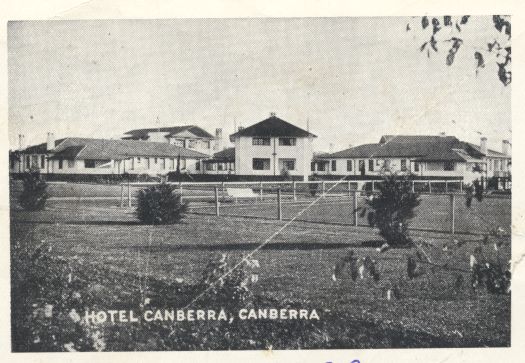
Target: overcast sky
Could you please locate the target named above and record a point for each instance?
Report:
(355, 79)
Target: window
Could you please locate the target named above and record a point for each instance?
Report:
(178, 142)
(334, 165)
(261, 141)
(449, 165)
(28, 162)
(416, 166)
(287, 141)
(162, 163)
(206, 144)
(261, 164)
(386, 164)
(349, 165)
(42, 161)
(361, 166)
(231, 166)
(221, 167)
(286, 164)
(89, 164)
(370, 165)
(12, 162)
(71, 163)
(210, 166)
(198, 165)
(321, 166)
(502, 165)
(312, 166)
(192, 144)
(60, 163)
(403, 165)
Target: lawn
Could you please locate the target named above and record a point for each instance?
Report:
(296, 266)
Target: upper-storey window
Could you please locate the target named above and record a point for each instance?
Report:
(261, 141)
(287, 141)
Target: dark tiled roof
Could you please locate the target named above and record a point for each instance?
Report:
(490, 152)
(40, 148)
(225, 155)
(421, 147)
(103, 149)
(172, 131)
(273, 127)
(68, 152)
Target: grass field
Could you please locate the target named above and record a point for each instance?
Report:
(296, 266)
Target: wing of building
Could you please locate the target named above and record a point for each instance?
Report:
(74, 155)
(442, 157)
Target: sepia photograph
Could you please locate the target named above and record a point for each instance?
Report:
(272, 183)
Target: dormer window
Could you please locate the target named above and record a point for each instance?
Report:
(287, 141)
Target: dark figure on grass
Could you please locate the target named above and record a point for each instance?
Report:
(393, 207)
(159, 204)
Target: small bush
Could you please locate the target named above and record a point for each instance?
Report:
(393, 207)
(34, 194)
(159, 204)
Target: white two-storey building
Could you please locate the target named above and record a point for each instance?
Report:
(273, 147)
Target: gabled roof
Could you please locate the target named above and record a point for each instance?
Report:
(103, 149)
(420, 147)
(171, 131)
(272, 127)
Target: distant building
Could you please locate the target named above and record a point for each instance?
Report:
(273, 147)
(443, 157)
(75, 155)
(189, 137)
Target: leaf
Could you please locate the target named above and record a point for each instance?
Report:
(450, 58)
(435, 25)
(433, 43)
(424, 22)
(479, 57)
(408, 27)
(464, 19)
(447, 20)
(504, 75)
(458, 27)
(423, 46)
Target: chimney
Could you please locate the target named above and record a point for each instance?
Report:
(21, 142)
(483, 146)
(218, 139)
(50, 141)
(505, 147)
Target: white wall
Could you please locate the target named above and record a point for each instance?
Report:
(245, 152)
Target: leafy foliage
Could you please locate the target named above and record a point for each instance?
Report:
(393, 208)
(159, 204)
(501, 52)
(34, 194)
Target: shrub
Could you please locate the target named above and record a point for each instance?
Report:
(34, 195)
(393, 207)
(159, 204)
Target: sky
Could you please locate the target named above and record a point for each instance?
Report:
(351, 79)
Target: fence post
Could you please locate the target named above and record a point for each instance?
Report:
(261, 191)
(324, 188)
(429, 186)
(121, 195)
(349, 189)
(355, 208)
(413, 186)
(373, 186)
(446, 186)
(461, 186)
(294, 192)
(180, 191)
(279, 205)
(129, 195)
(452, 213)
(222, 191)
(217, 201)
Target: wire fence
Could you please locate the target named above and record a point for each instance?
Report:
(442, 206)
